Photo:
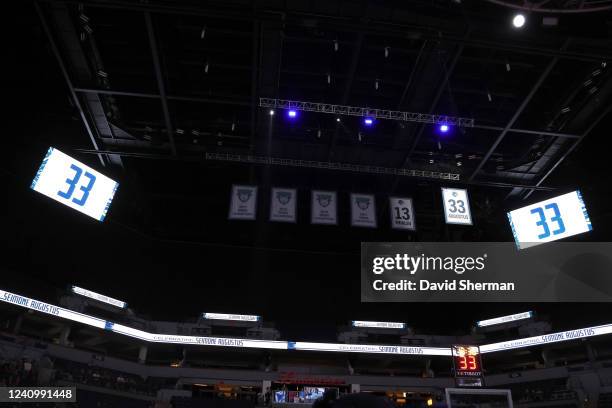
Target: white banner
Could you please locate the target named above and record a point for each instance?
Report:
(456, 206)
(243, 205)
(549, 220)
(324, 207)
(283, 203)
(72, 183)
(402, 213)
(363, 210)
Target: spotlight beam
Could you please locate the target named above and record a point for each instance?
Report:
(366, 112)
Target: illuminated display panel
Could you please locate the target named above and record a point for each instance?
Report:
(231, 317)
(504, 319)
(100, 298)
(549, 220)
(74, 184)
(467, 364)
(378, 325)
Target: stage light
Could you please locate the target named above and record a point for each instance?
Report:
(429, 402)
(271, 112)
(368, 121)
(444, 128)
(337, 119)
(518, 21)
(292, 113)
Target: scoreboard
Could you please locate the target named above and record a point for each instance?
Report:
(467, 366)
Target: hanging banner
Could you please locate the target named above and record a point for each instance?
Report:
(243, 205)
(283, 205)
(324, 208)
(456, 206)
(363, 211)
(402, 213)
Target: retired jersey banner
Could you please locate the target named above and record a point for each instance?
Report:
(324, 208)
(363, 211)
(243, 205)
(283, 205)
(456, 206)
(402, 213)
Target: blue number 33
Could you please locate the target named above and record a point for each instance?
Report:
(72, 184)
(543, 223)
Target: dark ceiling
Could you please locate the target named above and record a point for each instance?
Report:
(159, 84)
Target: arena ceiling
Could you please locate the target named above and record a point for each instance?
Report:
(143, 91)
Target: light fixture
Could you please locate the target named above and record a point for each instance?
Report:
(203, 33)
(338, 120)
(518, 21)
(444, 128)
(292, 113)
(328, 79)
(206, 67)
(376, 84)
(386, 52)
(335, 45)
(368, 121)
(271, 112)
(233, 127)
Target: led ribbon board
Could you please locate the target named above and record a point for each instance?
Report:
(232, 317)
(370, 348)
(33, 304)
(72, 183)
(504, 319)
(548, 338)
(53, 310)
(99, 297)
(549, 220)
(378, 325)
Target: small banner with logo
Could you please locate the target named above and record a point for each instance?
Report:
(324, 206)
(243, 205)
(283, 205)
(363, 210)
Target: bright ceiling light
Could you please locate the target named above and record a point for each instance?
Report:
(271, 112)
(518, 21)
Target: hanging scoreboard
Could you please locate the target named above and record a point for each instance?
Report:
(467, 366)
(549, 220)
(72, 183)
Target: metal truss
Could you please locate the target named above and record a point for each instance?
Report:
(373, 113)
(358, 168)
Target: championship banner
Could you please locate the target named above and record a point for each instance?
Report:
(243, 205)
(363, 210)
(283, 205)
(324, 208)
(402, 213)
(456, 206)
